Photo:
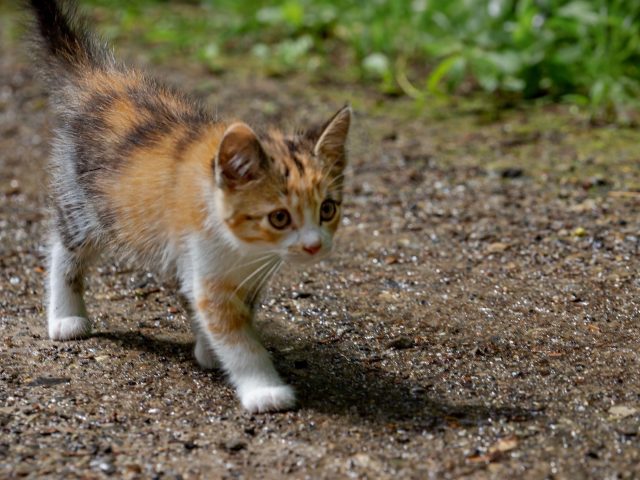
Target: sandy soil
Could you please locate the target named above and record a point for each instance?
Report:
(480, 317)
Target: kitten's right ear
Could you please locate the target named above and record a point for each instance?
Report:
(240, 157)
(333, 138)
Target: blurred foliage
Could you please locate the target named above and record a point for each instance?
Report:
(582, 51)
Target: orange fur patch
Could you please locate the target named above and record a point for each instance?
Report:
(224, 308)
(157, 196)
(121, 117)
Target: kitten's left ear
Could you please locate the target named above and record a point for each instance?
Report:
(240, 157)
(331, 143)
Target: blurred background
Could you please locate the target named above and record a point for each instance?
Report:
(581, 52)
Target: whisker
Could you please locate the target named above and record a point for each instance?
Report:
(267, 254)
(325, 174)
(250, 276)
(330, 169)
(274, 268)
(339, 177)
(253, 294)
(235, 267)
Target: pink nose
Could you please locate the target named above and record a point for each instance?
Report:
(312, 249)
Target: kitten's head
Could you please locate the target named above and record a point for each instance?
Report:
(283, 195)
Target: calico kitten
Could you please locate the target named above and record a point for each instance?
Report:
(145, 173)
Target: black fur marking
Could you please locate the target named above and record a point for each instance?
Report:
(149, 99)
(145, 100)
(64, 227)
(92, 142)
(190, 136)
(298, 164)
(100, 103)
(63, 37)
(143, 135)
(87, 131)
(292, 146)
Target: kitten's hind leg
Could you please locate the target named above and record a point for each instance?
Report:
(67, 315)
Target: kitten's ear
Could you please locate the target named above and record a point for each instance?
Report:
(240, 157)
(333, 137)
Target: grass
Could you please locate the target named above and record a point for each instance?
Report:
(586, 52)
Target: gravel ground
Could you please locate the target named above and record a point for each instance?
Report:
(480, 317)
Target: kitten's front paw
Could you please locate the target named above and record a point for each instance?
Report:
(268, 399)
(204, 355)
(69, 328)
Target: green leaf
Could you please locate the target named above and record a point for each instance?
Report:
(583, 12)
(444, 68)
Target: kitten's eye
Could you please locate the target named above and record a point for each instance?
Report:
(280, 219)
(328, 210)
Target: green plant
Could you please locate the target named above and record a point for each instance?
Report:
(581, 51)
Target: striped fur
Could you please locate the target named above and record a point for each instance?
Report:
(142, 171)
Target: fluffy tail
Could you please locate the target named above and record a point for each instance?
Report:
(63, 42)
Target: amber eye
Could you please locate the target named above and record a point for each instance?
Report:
(327, 210)
(280, 219)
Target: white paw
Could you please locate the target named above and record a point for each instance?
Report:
(268, 399)
(69, 328)
(204, 355)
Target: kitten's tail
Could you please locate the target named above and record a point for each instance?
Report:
(65, 46)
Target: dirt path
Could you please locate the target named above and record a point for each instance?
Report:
(480, 317)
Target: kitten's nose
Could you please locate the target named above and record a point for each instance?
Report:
(313, 248)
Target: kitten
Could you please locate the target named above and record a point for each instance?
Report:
(143, 172)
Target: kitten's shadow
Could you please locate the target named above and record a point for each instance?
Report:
(328, 380)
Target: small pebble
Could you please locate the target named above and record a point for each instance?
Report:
(107, 467)
(401, 343)
(103, 465)
(234, 445)
(511, 172)
(298, 295)
(579, 232)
